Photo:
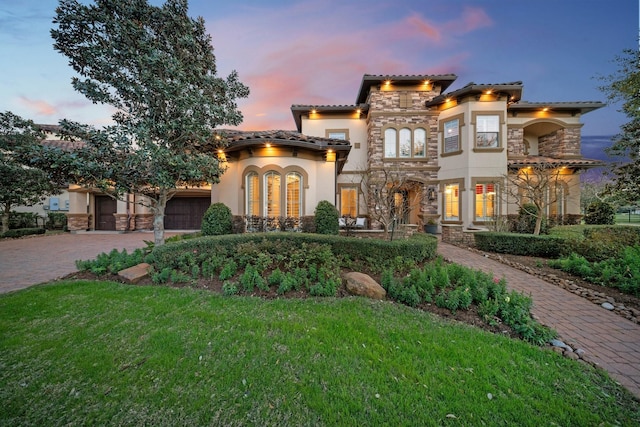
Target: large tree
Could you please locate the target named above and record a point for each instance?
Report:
(20, 185)
(156, 66)
(624, 86)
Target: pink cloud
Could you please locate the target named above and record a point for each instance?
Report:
(316, 53)
(38, 106)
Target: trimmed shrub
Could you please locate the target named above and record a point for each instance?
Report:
(521, 244)
(600, 213)
(525, 222)
(22, 220)
(217, 220)
(326, 218)
(370, 253)
(23, 232)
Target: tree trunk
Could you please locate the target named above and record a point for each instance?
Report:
(158, 218)
(5, 218)
(536, 230)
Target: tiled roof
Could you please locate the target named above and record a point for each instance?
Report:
(298, 110)
(238, 138)
(64, 145)
(582, 107)
(555, 162)
(368, 80)
(512, 89)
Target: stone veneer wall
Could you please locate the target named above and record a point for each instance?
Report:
(122, 220)
(515, 142)
(143, 222)
(564, 142)
(456, 235)
(78, 222)
(384, 109)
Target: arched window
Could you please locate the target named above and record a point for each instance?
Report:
(419, 142)
(272, 194)
(390, 142)
(405, 143)
(294, 195)
(252, 186)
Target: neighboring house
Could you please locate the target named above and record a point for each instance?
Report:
(453, 148)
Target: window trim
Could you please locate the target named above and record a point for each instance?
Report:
(397, 128)
(327, 133)
(461, 125)
(355, 187)
(283, 172)
(501, 123)
(443, 186)
(496, 181)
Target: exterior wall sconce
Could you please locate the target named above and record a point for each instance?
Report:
(330, 156)
(431, 194)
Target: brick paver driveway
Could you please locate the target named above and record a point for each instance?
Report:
(32, 260)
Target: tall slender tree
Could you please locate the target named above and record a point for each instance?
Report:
(156, 66)
(624, 86)
(19, 183)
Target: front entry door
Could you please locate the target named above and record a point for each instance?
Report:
(105, 208)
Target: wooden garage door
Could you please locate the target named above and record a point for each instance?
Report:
(185, 213)
(105, 208)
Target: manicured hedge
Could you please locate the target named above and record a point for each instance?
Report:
(376, 254)
(521, 244)
(19, 232)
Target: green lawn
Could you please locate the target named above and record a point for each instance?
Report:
(96, 353)
(625, 218)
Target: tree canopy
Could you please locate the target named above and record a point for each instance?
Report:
(20, 185)
(624, 86)
(156, 66)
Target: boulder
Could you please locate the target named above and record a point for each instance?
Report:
(136, 273)
(363, 285)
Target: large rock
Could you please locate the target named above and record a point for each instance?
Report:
(136, 273)
(363, 285)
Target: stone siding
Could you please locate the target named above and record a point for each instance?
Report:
(385, 110)
(515, 143)
(144, 221)
(564, 142)
(78, 222)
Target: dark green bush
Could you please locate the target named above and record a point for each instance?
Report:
(525, 222)
(217, 220)
(326, 218)
(111, 262)
(23, 220)
(56, 221)
(604, 242)
(521, 244)
(599, 213)
(371, 254)
(19, 232)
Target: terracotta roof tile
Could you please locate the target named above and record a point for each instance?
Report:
(543, 160)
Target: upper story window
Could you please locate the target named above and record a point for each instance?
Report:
(451, 136)
(405, 143)
(337, 133)
(487, 131)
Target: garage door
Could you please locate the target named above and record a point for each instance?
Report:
(185, 213)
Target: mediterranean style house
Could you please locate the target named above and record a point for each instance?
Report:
(451, 150)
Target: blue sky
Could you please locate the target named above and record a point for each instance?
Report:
(315, 52)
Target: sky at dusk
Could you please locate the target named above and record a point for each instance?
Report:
(316, 52)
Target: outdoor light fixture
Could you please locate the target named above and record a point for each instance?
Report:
(330, 156)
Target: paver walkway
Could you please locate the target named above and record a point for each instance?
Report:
(610, 341)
